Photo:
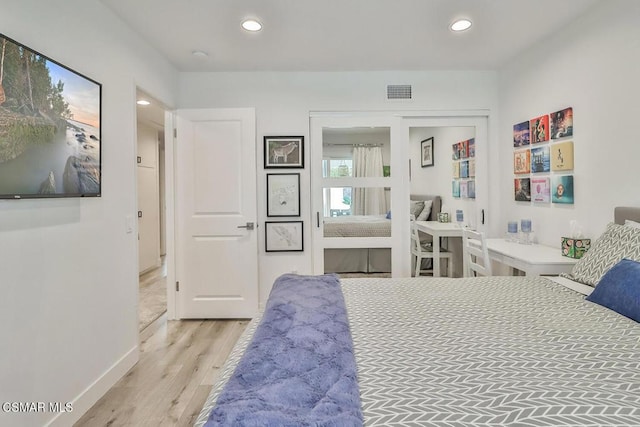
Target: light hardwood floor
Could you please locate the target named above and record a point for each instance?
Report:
(152, 300)
(169, 385)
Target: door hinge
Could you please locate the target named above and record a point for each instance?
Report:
(177, 286)
(175, 132)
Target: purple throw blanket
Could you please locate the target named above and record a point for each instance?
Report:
(299, 369)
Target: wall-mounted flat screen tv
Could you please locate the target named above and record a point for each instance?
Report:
(50, 127)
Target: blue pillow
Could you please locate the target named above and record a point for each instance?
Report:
(619, 289)
(389, 215)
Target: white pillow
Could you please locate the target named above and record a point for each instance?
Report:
(426, 211)
(632, 223)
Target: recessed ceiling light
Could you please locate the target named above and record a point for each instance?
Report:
(200, 54)
(143, 102)
(251, 25)
(461, 25)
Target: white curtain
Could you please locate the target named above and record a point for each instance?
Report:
(367, 162)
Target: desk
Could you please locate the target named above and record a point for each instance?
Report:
(534, 260)
(438, 230)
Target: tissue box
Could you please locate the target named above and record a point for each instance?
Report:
(575, 248)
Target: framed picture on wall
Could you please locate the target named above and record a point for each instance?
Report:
(283, 194)
(562, 189)
(539, 129)
(283, 152)
(426, 148)
(562, 123)
(562, 156)
(283, 236)
(521, 134)
(540, 161)
(522, 161)
(522, 189)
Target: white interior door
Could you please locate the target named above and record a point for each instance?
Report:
(216, 242)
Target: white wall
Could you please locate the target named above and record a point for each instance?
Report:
(69, 269)
(283, 102)
(437, 179)
(593, 66)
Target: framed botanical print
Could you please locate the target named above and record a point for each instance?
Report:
(283, 194)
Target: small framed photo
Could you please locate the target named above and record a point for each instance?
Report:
(283, 194)
(284, 152)
(539, 129)
(522, 162)
(427, 152)
(562, 123)
(521, 134)
(283, 236)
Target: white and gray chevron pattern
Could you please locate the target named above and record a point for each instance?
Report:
(617, 242)
(497, 351)
(491, 352)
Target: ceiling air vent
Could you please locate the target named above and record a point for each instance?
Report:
(399, 92)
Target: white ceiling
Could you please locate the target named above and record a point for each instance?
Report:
(345, 35)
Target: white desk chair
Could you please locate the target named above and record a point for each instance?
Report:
(475, 254)
(422, 251)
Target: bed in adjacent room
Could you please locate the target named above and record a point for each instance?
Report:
(370, 260)
(488, 351)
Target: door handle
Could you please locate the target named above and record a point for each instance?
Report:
(249, 226)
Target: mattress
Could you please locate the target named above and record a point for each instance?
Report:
(489, 351)
(357, 226)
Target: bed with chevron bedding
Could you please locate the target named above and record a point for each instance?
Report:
(495, 351)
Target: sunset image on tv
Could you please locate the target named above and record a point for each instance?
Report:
(50, 139)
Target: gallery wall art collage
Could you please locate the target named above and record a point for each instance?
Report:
(543, 159)
(283, 193)
(464, 169)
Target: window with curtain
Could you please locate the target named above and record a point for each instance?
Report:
(367, 162)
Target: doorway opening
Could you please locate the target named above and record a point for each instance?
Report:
(151, 202)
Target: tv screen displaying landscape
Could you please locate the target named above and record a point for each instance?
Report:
(50, 130)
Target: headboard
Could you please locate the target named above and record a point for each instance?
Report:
(622, 213)
(435, 207)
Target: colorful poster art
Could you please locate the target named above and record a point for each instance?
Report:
(562, 189)
(522, 189)
(455, 188)
(521, 135)
(471, 147)
(540, 160)
(471, 189)
(522, 161)
(456, 170)
(464, 169)
(540, 129)
(540, 190)
(562, 156)
(462, 149)
(464, 189)
(456, 152)
(472, 168)
(562, 123)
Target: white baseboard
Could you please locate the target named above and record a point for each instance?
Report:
(83, 402)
